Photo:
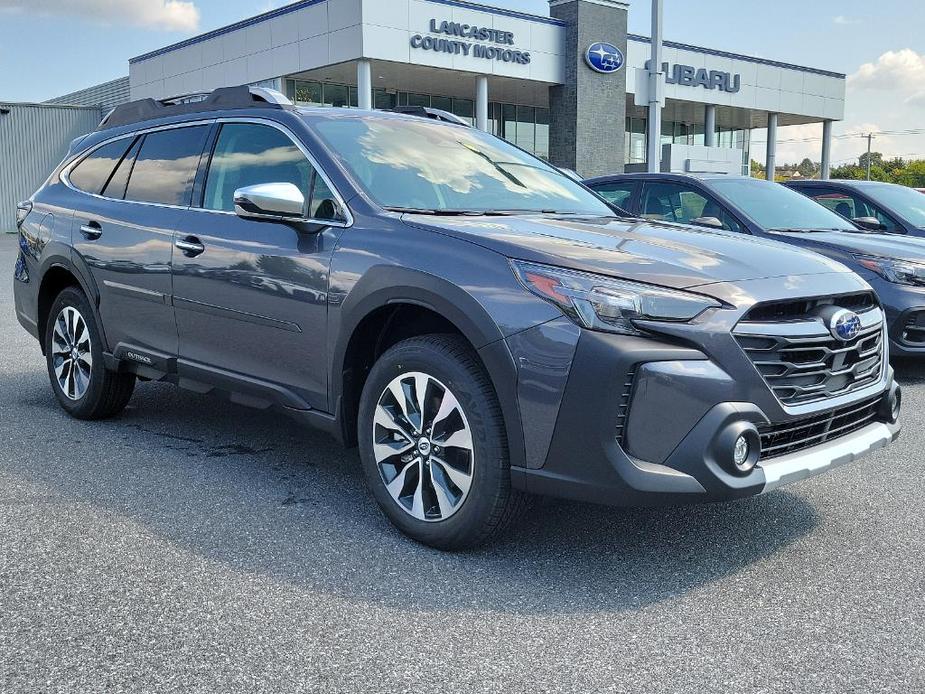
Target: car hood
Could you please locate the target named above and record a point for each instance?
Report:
(664, 254)
(866, 243)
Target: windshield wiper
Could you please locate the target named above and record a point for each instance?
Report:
(451, 212)
(791, 230)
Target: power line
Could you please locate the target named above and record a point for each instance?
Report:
(875, 133)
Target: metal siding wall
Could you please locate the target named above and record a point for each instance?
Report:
(108, 95)
(33, 140)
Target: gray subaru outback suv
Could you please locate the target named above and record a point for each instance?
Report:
(481, 325)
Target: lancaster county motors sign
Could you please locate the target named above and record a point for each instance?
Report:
(470, 39)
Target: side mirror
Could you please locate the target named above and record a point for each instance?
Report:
(279, 201)
(711, 222)
(869, 223)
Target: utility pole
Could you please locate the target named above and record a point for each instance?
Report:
(654, 144)
(870, 136)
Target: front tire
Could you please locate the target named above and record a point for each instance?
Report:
(433, 444)
(83, 385)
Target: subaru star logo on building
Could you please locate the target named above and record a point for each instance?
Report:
(845, 325)
(604, 57)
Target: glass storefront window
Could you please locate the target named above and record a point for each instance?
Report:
(508, 122)
(542, 133)
(419, 100)
(444, 103)
(336, 95)
(678, 132)
(465, 109)
(526, 128)
(304, 91)
(635, 140)
(383, 100)
(494, 116)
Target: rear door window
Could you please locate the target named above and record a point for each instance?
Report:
(166, 166)
(91, 174)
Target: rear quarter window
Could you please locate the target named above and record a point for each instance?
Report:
(91, 174)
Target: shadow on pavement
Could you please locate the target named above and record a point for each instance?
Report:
(254, 492)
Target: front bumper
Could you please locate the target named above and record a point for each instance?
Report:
(686, 411)
(798, 466)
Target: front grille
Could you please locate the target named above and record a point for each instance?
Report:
(623, 412)
(780, 439)
(802, 362)
(798, 309)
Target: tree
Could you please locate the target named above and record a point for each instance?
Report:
(913, 174)
(757, 169)
(876, 159)
(851, 172)
(807, 168)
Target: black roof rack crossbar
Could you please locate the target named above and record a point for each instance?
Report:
(221, 98)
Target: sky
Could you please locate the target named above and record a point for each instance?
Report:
(51, 47)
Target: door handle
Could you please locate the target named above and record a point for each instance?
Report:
(91, 230)
(191, 246)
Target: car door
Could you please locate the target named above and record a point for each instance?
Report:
(672, 201)
(251, 294)
(124, 232)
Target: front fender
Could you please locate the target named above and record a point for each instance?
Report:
(391, 285)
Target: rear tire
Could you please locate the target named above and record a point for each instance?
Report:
(433, 444)
(83, 385)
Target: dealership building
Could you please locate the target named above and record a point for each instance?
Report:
(572, 87)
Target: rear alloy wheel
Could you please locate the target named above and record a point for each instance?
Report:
(74, 354)
(433, 444)
(71, 355)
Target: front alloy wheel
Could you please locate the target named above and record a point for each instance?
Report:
(423, 446)
(433, 443)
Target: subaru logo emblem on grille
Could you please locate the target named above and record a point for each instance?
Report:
(845, 325)
(604, 57)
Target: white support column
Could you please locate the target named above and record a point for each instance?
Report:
(481, 102)
(364, 84)
(824, 170)
(654, 141)
(770, 163)
(709, 125)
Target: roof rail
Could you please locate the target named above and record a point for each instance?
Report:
(221, 98)
(432, 113)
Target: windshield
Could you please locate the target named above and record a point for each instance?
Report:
(424, 165)
(774, 207)
(906, 202)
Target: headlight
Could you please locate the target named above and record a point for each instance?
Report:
(895, 270)
(603, 303)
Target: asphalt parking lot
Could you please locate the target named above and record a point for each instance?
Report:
(192, 545)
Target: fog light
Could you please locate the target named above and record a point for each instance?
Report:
(891, 405)
(895, 406)
(741, 455)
